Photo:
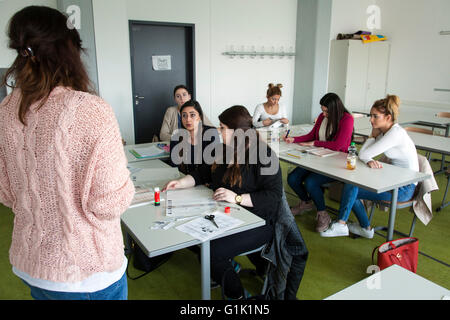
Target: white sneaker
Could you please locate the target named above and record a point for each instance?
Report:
(336, 229)
(355, 228)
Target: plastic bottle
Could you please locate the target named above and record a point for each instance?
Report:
(157, 197)
(351, 157)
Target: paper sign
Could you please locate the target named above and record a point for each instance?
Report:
(161, 63)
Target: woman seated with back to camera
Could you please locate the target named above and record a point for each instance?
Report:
(387, 137)
(253, 180)
(198, 137)
(172, 117)
(332, 130)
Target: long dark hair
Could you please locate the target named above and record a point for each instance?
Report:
(336, 111)
(48, 55)
(180, 86)
(194, 104)
(236, 117)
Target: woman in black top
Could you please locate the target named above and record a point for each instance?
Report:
(187, 144)
(250, 176)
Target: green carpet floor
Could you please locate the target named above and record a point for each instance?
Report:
(333, 264)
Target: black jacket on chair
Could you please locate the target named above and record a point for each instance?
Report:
(287, 255)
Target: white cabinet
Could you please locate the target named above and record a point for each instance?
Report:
(358, 72)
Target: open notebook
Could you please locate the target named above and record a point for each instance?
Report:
(317, 151)
(148, 152)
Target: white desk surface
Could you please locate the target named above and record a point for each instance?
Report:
(438, 144)
(411, 117)
(131, 158)
(406, 118)
(393, 283)
(381, 180)
(150, 163)
(138, 221)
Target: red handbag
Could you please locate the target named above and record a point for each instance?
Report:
(403, 252)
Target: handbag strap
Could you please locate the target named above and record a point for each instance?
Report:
(373, 252)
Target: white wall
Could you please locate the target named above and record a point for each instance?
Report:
(220, 81)
(7, 10)
(247, 24)
(113, 61)
(419, 59)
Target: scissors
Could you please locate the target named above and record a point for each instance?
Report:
(210, 217)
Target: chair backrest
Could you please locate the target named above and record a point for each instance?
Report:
(424, 166)
(443, 114)
(420, 130)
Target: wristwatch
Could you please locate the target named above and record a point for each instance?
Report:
(238, 199)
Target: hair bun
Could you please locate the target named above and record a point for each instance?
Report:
(270, 85)
(393, 99)
(280, 85)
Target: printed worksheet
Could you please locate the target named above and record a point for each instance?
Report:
(204, 229)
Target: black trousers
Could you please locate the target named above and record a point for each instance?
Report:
(225, 249)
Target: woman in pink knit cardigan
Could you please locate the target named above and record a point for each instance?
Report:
(62, 167)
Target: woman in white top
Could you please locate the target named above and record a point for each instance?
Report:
(389, 138)
(270, 111)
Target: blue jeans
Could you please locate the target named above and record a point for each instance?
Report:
(307, 185)
(351, 195)
(117, 291)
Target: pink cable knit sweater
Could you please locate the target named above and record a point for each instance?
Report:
(64, 175)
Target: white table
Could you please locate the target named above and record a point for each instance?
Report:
(393, 283)
(406, 118)
(422, 141)
(388, 178)
(131, 158)
(136, 222)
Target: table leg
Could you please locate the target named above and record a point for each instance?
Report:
(206, 271)
(392, 212)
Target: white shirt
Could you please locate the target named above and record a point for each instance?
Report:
(323, 129)
(396, 145)
(260, 114)
(96, 282)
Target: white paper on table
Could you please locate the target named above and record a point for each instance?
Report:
(203, 229)
(188, 202)
(149, 151)
(155, 174)
(307, 148)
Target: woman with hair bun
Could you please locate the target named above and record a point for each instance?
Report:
(270, 111)
(389, 138)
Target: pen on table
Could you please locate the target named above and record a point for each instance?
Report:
(287, 133)
(293, 155)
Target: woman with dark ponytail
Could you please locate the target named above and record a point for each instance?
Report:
(332, 130)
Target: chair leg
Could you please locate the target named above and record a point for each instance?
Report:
(444, 204)
(372, 210)
(413, 224)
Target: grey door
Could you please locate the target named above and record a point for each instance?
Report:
(153, 83)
